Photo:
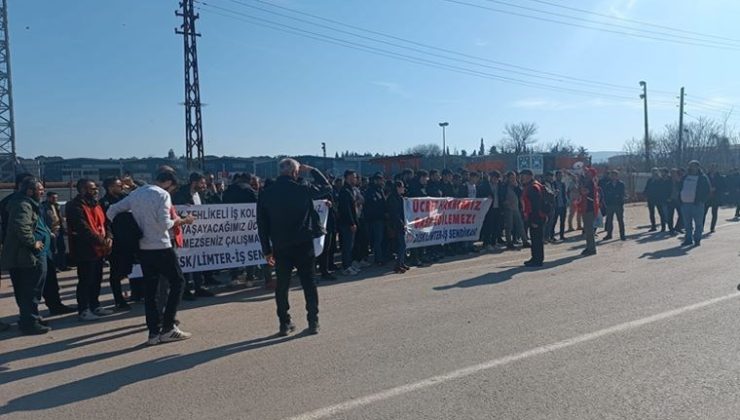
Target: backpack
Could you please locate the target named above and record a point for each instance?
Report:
(548, 198)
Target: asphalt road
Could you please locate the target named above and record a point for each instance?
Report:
(644, 330)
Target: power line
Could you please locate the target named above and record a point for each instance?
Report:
(640, 22)
(544, 19)
(613, 25)
(524, 71)
(403, 57)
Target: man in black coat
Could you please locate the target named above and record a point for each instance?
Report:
(287, 227)
(614, 198)
(240, 191)
(653, 194)
(348, 220)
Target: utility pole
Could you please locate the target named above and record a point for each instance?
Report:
(680, 128)
(8, 158)
(643, 96)
(193, 119)
(444, 144)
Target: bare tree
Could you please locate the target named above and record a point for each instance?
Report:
(518, 137)
(430, 149)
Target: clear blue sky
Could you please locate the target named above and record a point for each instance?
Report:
(105, 79)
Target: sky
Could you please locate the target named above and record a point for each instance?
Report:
(104, 79)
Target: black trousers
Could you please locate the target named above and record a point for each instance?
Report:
(652, 206)
(560, 213)
(536, 238)
(89, 278)
(300, 257)
(715, 212)
(51, 286)
(491, 231)
(610, 212)
(326, 259)
(28, 285)
(156, 263)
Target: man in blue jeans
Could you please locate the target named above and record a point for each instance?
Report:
(348, 221)
(695, 189)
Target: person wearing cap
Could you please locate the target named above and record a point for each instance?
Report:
(534, 216)
(151, 207)
(695, 191)
(589, 207)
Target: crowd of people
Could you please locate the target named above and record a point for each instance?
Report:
(132, 222)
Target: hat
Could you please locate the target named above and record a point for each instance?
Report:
(526, 172)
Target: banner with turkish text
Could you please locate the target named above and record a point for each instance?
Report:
(436, 221)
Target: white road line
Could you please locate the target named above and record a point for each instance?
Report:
(333, 410)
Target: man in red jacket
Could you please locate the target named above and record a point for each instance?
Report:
(89, 242)
(535, 217)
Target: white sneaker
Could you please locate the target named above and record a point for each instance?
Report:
(153, 340)
(349, 272)
(87, 315)
(175, 334)
(100, 311)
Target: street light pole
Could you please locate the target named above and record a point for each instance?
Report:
(647, 138)
(444, 144)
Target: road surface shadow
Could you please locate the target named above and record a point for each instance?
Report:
(506, 275)
(678, 251)
(109, 382)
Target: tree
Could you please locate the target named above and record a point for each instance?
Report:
(448, 151)
(336, 155)
(561, 147)
(492, 150)
(171, 155)
(582, 152)
(518, 137)
(463, 153)
(474, 153)
(427, 150)
(482, 150)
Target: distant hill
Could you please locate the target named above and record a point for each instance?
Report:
(599, 157)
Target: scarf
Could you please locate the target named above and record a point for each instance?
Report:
(177, 239)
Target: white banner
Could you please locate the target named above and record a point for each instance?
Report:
(225, 236)
(436, 221)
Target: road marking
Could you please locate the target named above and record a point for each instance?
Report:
(352, 404)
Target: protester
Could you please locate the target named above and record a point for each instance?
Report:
(397, 222)
(194, 194)
(151, 207)
(347, 221)
(614, 199)
(589, 208)
(535, 217)
(574, 203)
(491, 232)
(26, 250)
(287, 229)
(716, 192)
(512, 212)
(52, 216)
(561, 205)
(695, 191)
(652, 192)
(375, 213)
(121, 261)
(673, 202)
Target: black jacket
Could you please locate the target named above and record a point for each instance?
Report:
(347, 207)
(434, 189)
(653, 189)
(83, 240)
(415, 189)
(239, 193)
(375, 205)
(613, 193)
(285, 212)
(396, 212)
(447, 188)
(183, 197)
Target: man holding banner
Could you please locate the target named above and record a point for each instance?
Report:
(287, 224)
